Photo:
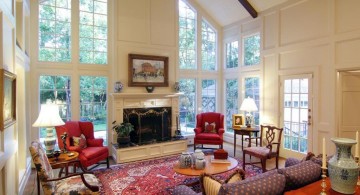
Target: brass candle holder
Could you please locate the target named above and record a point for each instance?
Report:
(323, 183)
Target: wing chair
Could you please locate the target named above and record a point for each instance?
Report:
(209, 129)
(270, 141)
(91, 151)
(77, 183)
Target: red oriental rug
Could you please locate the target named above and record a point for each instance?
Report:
(154, 176)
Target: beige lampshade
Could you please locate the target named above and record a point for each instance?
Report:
(248, 105)
(48, 116)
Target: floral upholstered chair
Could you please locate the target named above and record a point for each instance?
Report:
(77, 183)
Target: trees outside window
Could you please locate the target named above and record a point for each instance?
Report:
(208, 48)
(208, 95)
(252, 89)
(231, 102)
(55, 31)
(187, 105)
(93, 31)
(93, 103)
(251, 50)
(187, 37)
(56, 89)
(232, 54)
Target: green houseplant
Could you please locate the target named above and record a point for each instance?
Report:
(123, 132)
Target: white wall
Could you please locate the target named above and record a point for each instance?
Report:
(318, 37)
(14, 158)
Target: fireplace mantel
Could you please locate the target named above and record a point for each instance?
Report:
(121, 101)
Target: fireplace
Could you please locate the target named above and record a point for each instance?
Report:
(151, 124)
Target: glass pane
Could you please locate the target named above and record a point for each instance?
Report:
(231, 103)
(295, 129)
(287, 128)
(208, 47)
(303, 115)
(251, 50)
(295, 115)
(304, 101)
(294, 143)
(304, 85)
(303, 130)
(286, 142)
(287, 100)
(303, 145)
(187, 105)
(295, 100)
(295, 86)
(208, 95)
(287, 86)
(287, 114)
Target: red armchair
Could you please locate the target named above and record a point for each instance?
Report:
(93, 153)
(209, 129)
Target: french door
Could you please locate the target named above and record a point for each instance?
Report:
(296, 115)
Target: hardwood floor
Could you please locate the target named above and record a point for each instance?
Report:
(31, 186)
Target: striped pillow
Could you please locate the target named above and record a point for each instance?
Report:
(211, 185)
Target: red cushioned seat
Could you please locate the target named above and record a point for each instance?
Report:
(94, 152)
(209, 129)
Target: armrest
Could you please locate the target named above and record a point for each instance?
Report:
(74, 148)
(97, 142)
(91, 187)
(221, 131)
(197, 130)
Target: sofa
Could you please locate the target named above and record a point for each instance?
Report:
(296, 174)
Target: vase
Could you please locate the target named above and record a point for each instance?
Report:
(149, 89)
(196, 154)
(343, 170)
(185, 160)
(118, 87)
(200, 162)
(177, 87)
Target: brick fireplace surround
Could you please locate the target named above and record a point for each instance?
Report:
(123, 101)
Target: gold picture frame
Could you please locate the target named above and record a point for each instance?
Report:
(147, 70)
(238, 120)
(7, 99)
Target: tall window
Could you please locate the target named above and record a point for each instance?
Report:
(208, 95)
(252, 90)
(54, 31)
(251, 50)
(56, 89)
(232, 54)
(93, 103)
(187, 105)
(93, 31)
(231, 104)
(187, 37)
(55, 20)
(208, 48)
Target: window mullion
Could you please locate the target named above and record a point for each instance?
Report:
(75, 32)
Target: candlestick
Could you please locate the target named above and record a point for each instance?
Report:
(357, 145)
(323, 154)
(323, 183)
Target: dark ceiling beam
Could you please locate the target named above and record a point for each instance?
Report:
(249, 8)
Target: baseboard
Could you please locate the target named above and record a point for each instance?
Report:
(26, 176)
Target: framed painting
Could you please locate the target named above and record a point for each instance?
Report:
(7, 99)
(237, 120)
(146, 70)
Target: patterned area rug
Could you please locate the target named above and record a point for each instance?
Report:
(154, 176)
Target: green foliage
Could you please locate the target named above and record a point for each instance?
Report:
(252, 50)
(123, 129)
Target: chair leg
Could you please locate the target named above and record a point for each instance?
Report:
(277, 162)
(243, 161)
(107, 162)
(221, 146)
(263, 165)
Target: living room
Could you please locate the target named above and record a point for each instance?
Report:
(313, 40)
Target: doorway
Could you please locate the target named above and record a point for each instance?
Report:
(296, 117)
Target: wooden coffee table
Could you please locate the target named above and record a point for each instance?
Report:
(210, 168)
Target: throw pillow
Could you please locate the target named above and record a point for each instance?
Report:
(80, 141)
(210, 127)
(211, 185)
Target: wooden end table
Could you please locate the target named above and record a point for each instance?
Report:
(61, 159)
(210, 168)
(245, 131)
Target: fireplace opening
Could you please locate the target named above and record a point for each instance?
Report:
(151, 125)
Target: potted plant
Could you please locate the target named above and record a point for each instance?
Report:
(123, 132)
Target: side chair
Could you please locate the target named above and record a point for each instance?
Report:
(75, 183)
(270, 141)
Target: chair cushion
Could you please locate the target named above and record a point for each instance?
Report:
(301, 174)
(80, 141)
(211, 186)
(93, 152)
(208, 136)
(210, 127)
(74, 185)
(267, 183)
(263, 151)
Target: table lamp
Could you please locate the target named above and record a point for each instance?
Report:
(49, 118)
(248, 105)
